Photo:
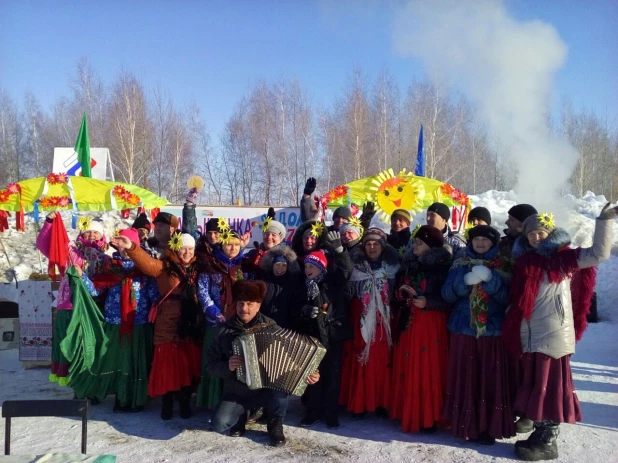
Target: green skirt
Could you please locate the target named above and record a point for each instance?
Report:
(123, 370)
(60, 364)
(210, 388)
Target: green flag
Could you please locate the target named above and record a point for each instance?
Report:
(82, 148)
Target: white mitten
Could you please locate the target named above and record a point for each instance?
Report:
(482, 272)
(472, 278)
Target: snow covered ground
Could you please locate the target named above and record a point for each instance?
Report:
(144, 437)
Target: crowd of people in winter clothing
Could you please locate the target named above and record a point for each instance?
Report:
(429, 327)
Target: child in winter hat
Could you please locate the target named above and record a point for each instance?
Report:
(315, 265)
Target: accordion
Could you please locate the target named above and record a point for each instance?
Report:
(277, 358)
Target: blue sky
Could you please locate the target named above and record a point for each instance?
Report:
(210, 52)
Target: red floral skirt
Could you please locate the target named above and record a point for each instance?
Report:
(176, 364)
(478, 397)
(420, 365)
(547, 391)
(365, 387)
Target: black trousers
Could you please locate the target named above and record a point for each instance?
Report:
(324, 395)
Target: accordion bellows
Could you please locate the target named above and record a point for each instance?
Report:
(277, 358)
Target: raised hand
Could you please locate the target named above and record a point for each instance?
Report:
(369, 208)
(310, 186)
(271, 213)
(334, 238)
(51, 216)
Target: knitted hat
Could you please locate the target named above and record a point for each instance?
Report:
(317, 258)
(249, 291)
(480, 213)
(486, 232)
(277, 228)
(375, 234)
(142, 222)
(95, 226)
(348, 226)
(212, 225)
(543, 222)
(132, 234)
(280, 259)
(187, 241)
(402, 213)
(431, 236)
(342, 211)
(522, 211)
(167, 218)
(441, 209)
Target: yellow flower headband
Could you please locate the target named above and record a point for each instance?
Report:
(547, 220)
(84, 223)
(227, 235)
(175, 242)
(317, 229)
(266, 224)
(222, 224)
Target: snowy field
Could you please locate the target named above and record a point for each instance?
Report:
(144, 437)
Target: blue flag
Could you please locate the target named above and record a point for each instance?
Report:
(420, 156)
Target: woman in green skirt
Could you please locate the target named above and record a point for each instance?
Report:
(124, 369)
(214, 291)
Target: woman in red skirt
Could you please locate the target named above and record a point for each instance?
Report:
(420, 356)
(366, 368)
(478, 398)
(551, 293)
(178, 319)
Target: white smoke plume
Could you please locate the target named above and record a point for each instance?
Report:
(506, 68)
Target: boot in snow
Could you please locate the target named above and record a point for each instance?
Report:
(185, 402)
(275, 431)
(524, 425)
(167, 406)
(239, 428)
(542, 443)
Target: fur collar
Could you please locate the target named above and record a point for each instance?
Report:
(556, 240)
(266, 262)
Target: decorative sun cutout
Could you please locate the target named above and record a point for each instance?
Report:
(266, 223)
(547, 219)
(357, 223)
(392, 192)
(175, 242)
(83, 223)
(222, 224)
(317, 229)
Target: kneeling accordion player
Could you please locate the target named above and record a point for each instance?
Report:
(277, 358)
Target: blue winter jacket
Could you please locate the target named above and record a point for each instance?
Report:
(456, 292)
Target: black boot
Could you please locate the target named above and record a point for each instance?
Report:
(167, 406)
(358, 416)
(430, 430)
(255, 415)
(185, 402)
(484, 439)
(381, 412)
(239, 428)
(332, 422)
(524, 425)
(119, 408)
(312, 417)
(542, 443)
(275, 431)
